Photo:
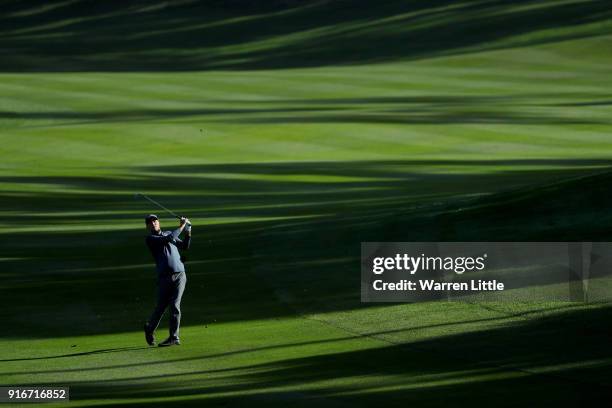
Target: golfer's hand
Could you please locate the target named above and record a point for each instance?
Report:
(183, 221)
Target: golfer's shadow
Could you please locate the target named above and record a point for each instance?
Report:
(84, 353)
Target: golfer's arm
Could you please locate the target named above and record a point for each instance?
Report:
(175, 234)
(185, 242)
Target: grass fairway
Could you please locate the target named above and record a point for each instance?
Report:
(290, 132)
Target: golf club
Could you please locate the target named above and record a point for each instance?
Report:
(137, 195)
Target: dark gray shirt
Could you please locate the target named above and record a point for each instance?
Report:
(164, 247)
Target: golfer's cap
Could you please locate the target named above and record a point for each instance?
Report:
(150, 217)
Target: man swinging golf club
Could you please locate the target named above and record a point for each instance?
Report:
(171, 278)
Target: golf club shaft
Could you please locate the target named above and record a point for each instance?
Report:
(160, 206)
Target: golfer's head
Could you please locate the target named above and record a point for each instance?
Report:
(152, 223)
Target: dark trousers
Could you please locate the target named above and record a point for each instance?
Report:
(169, 293)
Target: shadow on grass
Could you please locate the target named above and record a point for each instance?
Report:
(184, 36)
(559, 358)
(286, 238)
(451, 109)
(372, 335)
(80, 354)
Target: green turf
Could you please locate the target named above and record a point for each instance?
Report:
(290, 132)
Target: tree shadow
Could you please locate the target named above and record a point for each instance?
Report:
(186, 36)
(531, 358)
(253, 350)
(448, 109)
(286, 236)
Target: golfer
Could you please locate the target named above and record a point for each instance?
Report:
(171, 278)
